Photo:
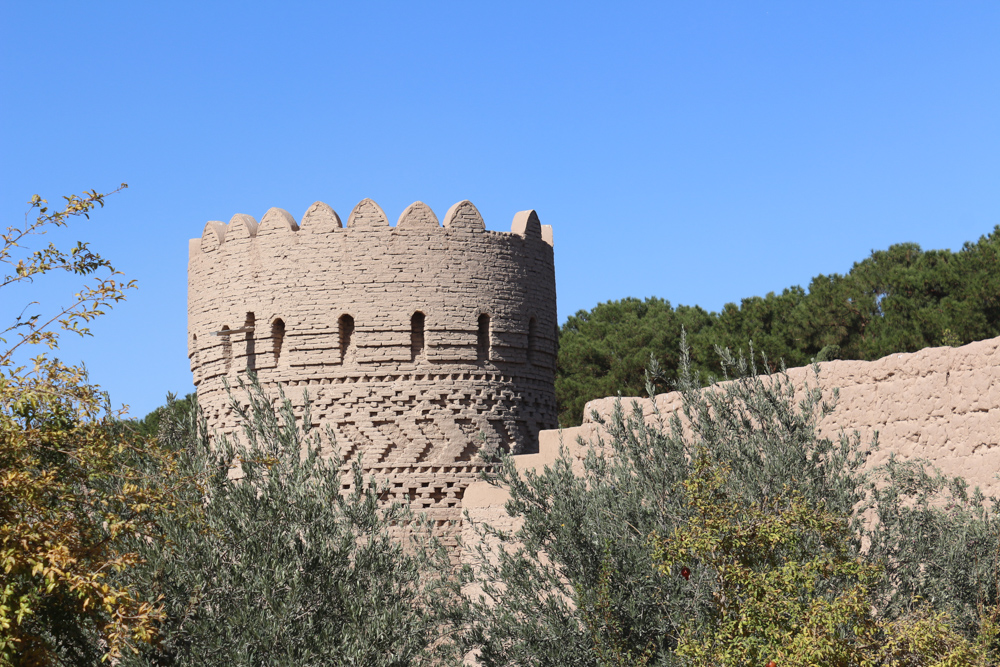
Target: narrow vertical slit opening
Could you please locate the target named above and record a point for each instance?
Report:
(532, 340)
(251, 343)
(277, 338)
(346, 328)
(195, 360)
(483, 338)
(416, 335)
(227, 348)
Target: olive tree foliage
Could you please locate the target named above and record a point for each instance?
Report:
(938, 541)
(589, 579)
(71, 484)
(282, 564)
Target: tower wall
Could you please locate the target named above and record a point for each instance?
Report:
(418, 344)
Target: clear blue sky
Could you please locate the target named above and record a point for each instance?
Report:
(697, 151)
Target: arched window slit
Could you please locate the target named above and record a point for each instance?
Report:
(532, 340)
(416, 335)
(251, 343)
(227, 348)
(345, 325)
(277, 338)
(195, 359)
(483, 338)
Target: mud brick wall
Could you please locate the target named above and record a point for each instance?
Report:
(940, 404)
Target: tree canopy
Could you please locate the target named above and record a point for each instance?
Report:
(70, 489)
(902, 299)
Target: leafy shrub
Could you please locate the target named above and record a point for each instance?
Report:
(783, 587)
(279, 565)
(73, 494)
(72, 486)
(777, 578)
(731, 532)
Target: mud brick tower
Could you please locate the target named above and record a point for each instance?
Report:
(417, 344)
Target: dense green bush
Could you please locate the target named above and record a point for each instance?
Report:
(898, 300)
(786, 588)
(277, 565)
(591, 577)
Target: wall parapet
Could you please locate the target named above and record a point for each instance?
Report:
(941, 404)
(367, 216)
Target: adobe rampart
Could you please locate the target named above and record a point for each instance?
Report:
(418, 344)
(941, 404)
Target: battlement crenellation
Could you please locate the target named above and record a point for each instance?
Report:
(367, 216)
